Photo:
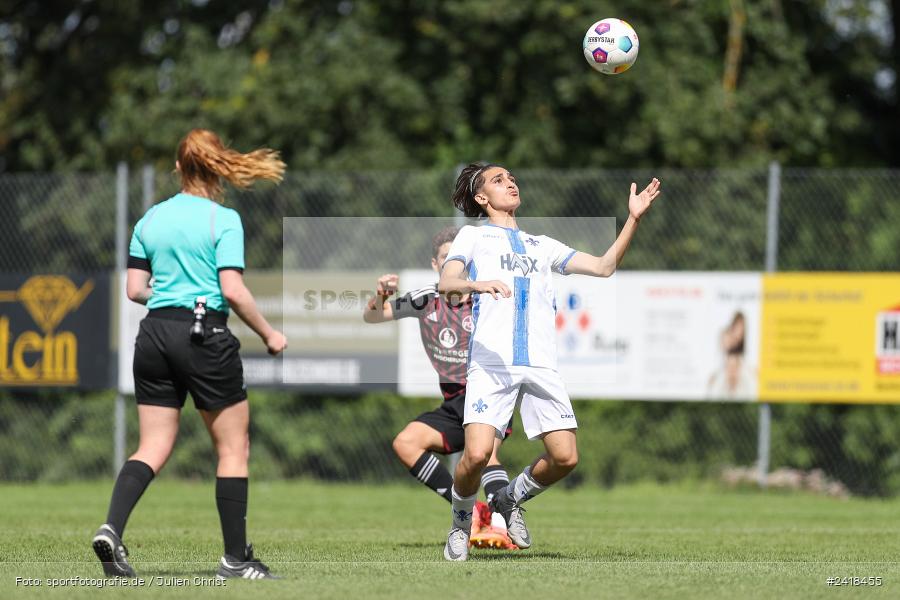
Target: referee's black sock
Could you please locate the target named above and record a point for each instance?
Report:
(493, 479)
(133, 479)
(231, 500)
(429, 470)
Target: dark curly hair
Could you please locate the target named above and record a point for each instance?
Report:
(468, 183)
(447, 234)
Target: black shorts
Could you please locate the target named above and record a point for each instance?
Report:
(447, 419)
(168, 365)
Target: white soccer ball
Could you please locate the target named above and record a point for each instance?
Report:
(611, 46)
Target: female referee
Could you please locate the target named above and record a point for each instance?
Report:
(193, 248)
(513, 345)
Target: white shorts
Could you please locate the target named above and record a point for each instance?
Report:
(492, 393)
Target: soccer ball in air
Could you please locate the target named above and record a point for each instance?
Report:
(611, 46)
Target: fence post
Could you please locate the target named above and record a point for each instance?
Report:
(149, 186)
(121, 231)
(765, 410)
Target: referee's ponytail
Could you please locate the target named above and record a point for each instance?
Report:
(203, 160)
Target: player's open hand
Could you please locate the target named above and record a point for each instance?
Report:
(493, 287)
(387, 285)
(639, 203)
(276, 342)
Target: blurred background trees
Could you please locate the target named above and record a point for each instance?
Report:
(432, 83)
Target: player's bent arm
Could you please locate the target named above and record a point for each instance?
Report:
(375, 314)
(453, 279)
(241, 301)
(378, 309)
(137, 285)
(454, 284)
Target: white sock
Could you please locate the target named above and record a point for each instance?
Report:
(462, 510)
(524, 487)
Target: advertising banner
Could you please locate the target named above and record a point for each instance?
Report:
(831, 337)
(666, 336)
(660, 336)
(787, 337)
(54, 330)
(329, 344)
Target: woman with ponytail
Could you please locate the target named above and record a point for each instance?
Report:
(193, 248)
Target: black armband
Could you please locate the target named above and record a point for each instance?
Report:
(139, 263)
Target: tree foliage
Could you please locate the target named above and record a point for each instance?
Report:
(432, 83)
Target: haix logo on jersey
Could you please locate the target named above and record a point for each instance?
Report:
(525, 264)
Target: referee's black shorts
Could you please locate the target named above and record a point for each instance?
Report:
(168, 365)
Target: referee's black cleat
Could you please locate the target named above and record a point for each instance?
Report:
(248, 568)
(112, 553)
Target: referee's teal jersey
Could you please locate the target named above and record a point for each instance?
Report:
(184, 242)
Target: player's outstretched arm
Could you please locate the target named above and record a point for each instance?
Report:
(583, 263)
(378, 309)
(453, 284)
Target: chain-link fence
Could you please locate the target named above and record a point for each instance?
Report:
(706, 220)
(712, 220)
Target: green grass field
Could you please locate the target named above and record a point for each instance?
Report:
(337, 541)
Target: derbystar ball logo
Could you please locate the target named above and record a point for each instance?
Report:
(518, 262)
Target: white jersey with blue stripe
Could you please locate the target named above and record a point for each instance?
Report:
(520, 330)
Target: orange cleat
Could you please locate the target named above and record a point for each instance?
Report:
(484, 535)
(492, 538)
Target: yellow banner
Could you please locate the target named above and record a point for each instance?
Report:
(53, 330)
(831, 337)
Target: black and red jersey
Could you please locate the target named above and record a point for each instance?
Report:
(445, 328)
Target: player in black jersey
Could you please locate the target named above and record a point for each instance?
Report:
(445, 327)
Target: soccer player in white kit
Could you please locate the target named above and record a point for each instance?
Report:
(512, 350)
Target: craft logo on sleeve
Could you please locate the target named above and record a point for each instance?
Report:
(53, 331)
(887, 348)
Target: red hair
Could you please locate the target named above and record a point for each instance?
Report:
(203, 161)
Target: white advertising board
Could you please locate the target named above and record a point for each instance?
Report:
(638, 335)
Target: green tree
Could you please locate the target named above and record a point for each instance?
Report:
(396, 84)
